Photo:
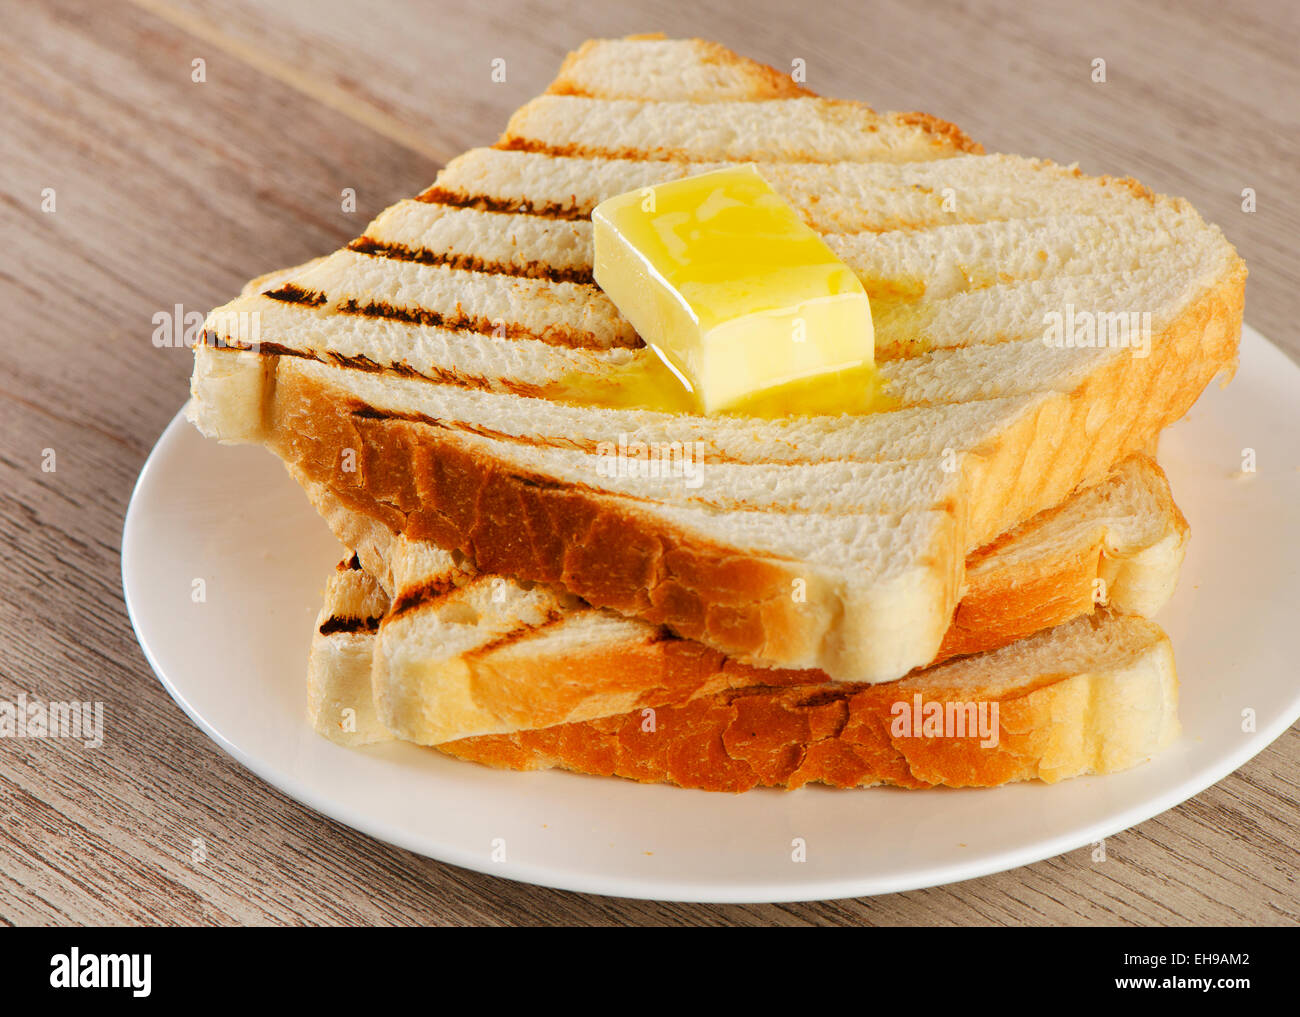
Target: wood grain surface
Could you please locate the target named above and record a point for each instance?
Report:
(167, 191)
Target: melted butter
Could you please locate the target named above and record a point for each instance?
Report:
(647, 384)
(881, 288)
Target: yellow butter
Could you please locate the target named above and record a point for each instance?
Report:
(726, 283)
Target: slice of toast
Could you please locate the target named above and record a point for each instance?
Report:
(1094, 695)
(420, 374)
(461, 653)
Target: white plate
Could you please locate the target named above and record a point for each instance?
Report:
(236, 663)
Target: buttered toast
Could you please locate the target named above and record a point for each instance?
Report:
(422, 374)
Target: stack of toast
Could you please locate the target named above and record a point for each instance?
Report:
(952, 589)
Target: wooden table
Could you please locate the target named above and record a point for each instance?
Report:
(169, 191)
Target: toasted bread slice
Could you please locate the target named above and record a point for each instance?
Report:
(1092, 696)
(420, 374)
(1095, 695)
(462, 653)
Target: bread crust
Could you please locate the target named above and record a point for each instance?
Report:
(841, 735)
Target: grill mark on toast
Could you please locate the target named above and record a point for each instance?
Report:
(291, 293)
(553, 335)
(573, 211)
(479, 201)
(360, 362)
(421, 595)
(522, 631)
(337, 624)
(581, 276)
(365, 411)
(580, 211)
(440, 376)
(572, 150)
(357, 362)
(577, 211)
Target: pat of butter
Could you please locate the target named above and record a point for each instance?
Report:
(726, 283)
